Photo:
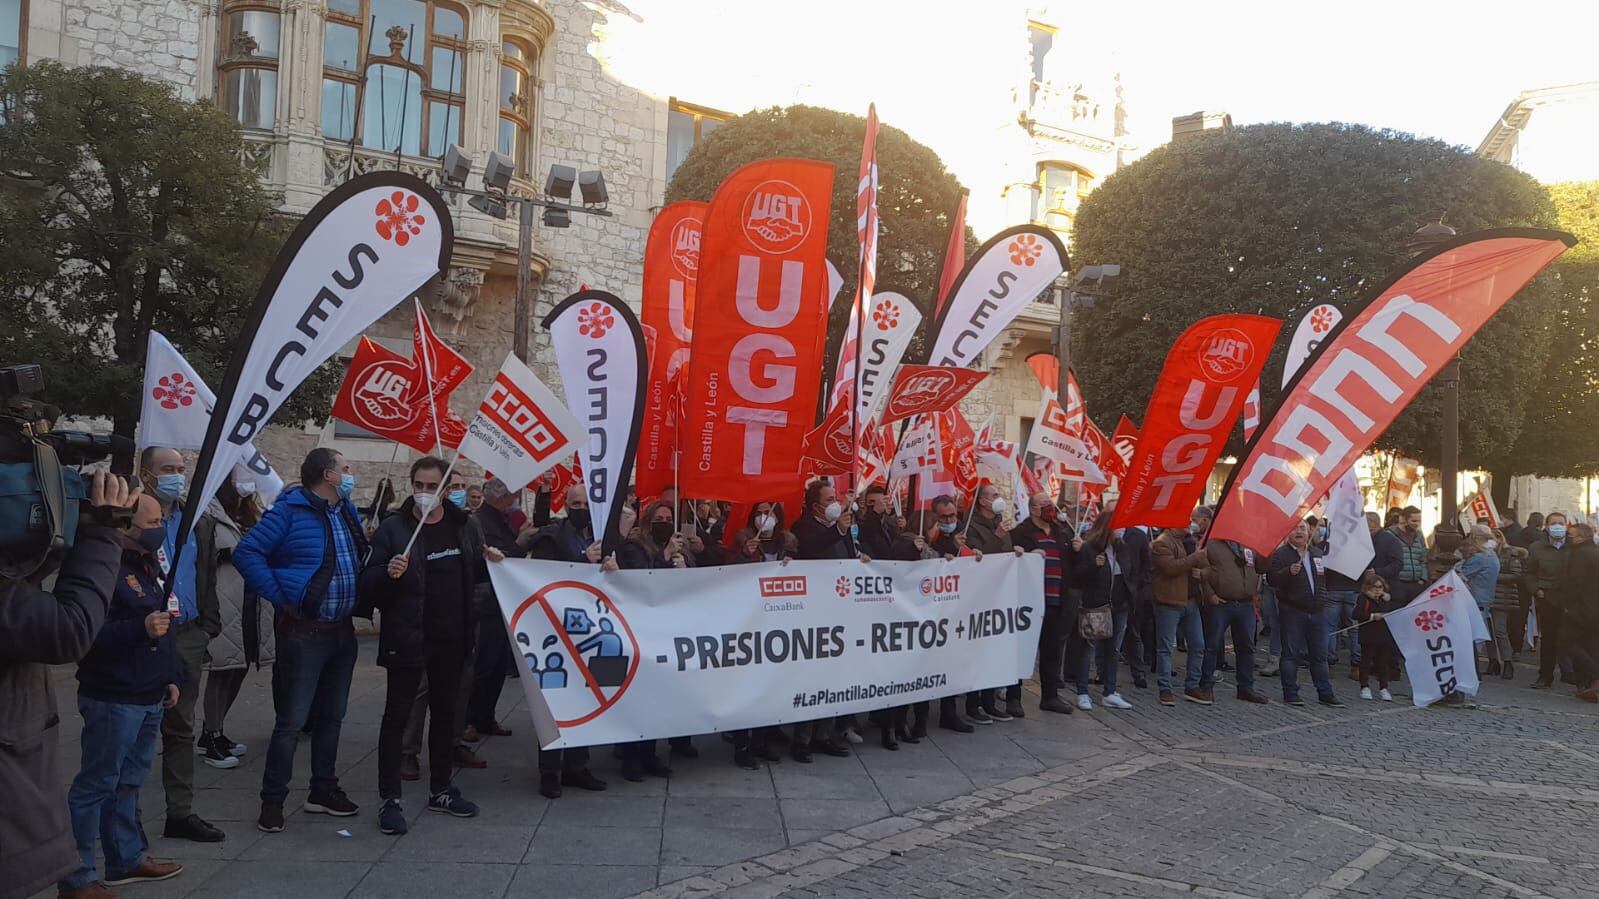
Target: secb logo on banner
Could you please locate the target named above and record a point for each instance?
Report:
(776, 217)
(578, 648)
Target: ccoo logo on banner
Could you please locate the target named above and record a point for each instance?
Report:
(628, 655)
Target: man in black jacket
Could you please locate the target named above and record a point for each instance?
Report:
(423, 585)
(1139, 640)
(569, 538)
(1299, 576)
(495, 656)
(819, 538)
(40, 628)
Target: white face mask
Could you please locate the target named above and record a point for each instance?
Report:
(833, 511)
(1062, 518)
(245, 488)
(1117, 533)
(947, 527)
(765, 523)
(998, 506)
(1490, 545)
(427, 502)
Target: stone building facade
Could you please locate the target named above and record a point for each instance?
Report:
(327, 88)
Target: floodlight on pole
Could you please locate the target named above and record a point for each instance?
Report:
(457, 166)
(497, 172)
(592, 186)
(558, 185)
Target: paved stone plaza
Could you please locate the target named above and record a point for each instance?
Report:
(1234, 800)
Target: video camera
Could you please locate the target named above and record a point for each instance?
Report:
(41, 495)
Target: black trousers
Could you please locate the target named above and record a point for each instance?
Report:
(556, 761)
(1377, 652)
(494, 661)
(443, 671)
(1550, 624)
(1052, 649)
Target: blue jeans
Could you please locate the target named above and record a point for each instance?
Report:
(1270, 620)
(1240, 616)
(118, 743)
(1083, 655)
(1167, 620)
(311, 683)
(1340, 612)
(1304, 642)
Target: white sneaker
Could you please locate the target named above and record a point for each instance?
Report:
(1115, 701)
(1365, 692)
(1084, 703)
(853, 736)
(1386, 696)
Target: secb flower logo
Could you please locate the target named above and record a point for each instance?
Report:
(1431, 621)
(1025, 249)
(841, 587)
(594, 320)
(1321, 320)
(398, 219)
(1226, 354)
(174, 390)
(885, 315)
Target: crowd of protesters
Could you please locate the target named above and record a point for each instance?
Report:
(278, 588)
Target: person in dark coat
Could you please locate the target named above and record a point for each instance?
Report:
(1042, 533)
(1099, 576)
(1138, 642)
(125, 683)
(818, 537)
(1581, 610)
(1298, 574)
(423, 585)
(655, 544)
(40, 628)
(1376, 641)
(765, 536)
(1545, 578)
(496, 656)
(882, 538)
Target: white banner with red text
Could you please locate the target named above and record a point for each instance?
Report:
(612, 657)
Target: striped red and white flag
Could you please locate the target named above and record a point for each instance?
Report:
(847, 369)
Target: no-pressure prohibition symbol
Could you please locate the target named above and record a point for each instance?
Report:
(578, 648)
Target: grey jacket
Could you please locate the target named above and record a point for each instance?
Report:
(39, 629)
(245, 635)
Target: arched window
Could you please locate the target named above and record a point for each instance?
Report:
(248, 68)
(404, 61)
(516, 104)
(1061, 187)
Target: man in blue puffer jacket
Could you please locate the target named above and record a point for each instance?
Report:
(304, 557)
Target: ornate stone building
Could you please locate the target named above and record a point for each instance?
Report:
(327, 88)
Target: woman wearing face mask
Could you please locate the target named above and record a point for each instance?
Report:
(1508, 605)
(764, 537)
(1097, 573)
(247, 635)
(655, 545)
(1377, 649)
(1479, 568)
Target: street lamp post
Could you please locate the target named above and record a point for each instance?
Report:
(494, 200)
(1086, 288)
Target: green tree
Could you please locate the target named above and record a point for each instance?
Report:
(125, 209)
(916, 195)
(1277, 218)
(1561, 400)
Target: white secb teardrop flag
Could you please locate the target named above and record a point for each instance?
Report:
(1437, 634)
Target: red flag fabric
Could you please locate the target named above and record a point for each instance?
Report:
(1195, 402)
(959, 459)
(1124, 439)
(446, 366)
(387, 394)
(671, 274)
(563, 477)
(829, 448)
(1046, 368)
(847, 368)
(1367, 369)
(756, 369)
(954, 257)
(1252, 411)
(925, 389)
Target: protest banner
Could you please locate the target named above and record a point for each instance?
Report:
(1402, 476)
(1198, 397)
(522, 429)
(176, 411)
(755, 373)
(927, 390)
(671, 279)
(365, 247)
(1368, 369)
(1437, 634)
(635, 655)
(1054, 438)
(1008, 272)
(393, 397)
(599, 349)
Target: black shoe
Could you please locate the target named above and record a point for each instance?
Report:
(1296, 702)
(550, 784)
(583, 780)
(391, 818)
(918, 731)
(1332, 702)
(632, 773)
(889, 742)
(1493, 668)
(654, 767)
(1055, 704)
(766, 751)
(907, 735)
(1013, 708)
(271, 820)
(212, 751)
(683, 749)
(1509, 672)
(800, 754)
(958, 725)
(836, 750)
(743, 758)
(335, 803)
(979, 716)
(1141, 682)
(995, 713)
(193, 828)
(451, 802)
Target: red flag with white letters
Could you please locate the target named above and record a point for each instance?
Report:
(1199, 395)
(759, 326)
(671, 274)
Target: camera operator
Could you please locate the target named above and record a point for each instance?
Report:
(39, 628)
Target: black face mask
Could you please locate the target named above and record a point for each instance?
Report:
(579, 518)
(661, 532)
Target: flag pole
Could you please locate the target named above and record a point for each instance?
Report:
(427, 372)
